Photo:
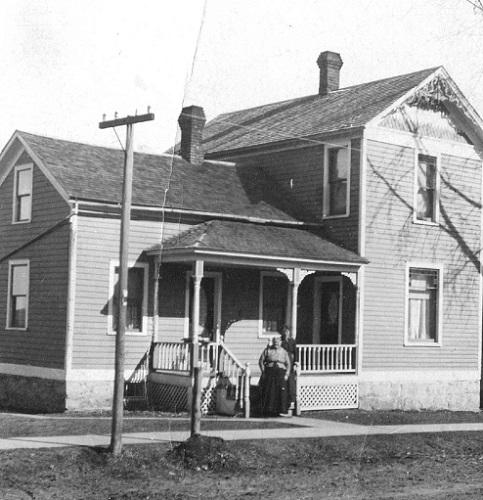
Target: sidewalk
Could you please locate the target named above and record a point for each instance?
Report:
(302, 428)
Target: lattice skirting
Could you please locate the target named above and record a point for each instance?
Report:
(328, 397)
(168, 397)
(171, 397)
(208, 399)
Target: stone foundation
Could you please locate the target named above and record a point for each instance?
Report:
(420, 395)
(31, 394)
(89, 394)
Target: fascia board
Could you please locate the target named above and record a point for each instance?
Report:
(376, 119)
(44, 169)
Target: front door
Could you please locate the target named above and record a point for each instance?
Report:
(327, 310)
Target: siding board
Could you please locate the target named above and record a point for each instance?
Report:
(392, 239)
(43, 344)
(98, 244)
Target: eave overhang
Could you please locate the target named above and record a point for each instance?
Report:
(216, 257)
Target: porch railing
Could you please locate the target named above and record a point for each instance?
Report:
(214, 358)
(238, 374)
(320, 358)
(175, 356)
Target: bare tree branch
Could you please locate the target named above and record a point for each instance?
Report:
(477, 4)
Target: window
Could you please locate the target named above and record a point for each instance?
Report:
(336, 185)
(426, 202)
(273, 303)
(136, 310)
(18, 291)
(22, 199)
(423, 308)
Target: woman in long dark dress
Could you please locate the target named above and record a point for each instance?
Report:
(275, 369)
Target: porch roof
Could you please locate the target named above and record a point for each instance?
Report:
(227, 242)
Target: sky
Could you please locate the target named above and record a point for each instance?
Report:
(66, 63)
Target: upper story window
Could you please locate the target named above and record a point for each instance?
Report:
(426, 202)
(336, 181)
(424, 305)
(273, 303)
(137, 297)
(18, 292)
(22, 196)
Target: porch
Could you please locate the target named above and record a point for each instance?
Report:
(230, 304)
(314, 365)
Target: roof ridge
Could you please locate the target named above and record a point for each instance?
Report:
(434, 68)
(24, 133)
(379, 80)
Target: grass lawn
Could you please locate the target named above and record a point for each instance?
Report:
(439, 466)
(397, 417)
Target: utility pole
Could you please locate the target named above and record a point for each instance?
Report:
(118, 397)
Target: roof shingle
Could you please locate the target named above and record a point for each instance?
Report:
(95, 173)
(260, 240)
(350, 107)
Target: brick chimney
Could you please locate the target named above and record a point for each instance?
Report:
(329, 64)
(191, 122)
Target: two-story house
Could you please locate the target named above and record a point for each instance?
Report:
(352, 215)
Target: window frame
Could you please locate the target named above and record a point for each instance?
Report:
(438, 341)
(326, 202)
(11, 264)
(261, 333)
(112, 281)
(437, 157)
(16, 170)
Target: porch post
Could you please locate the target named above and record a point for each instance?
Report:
(295, 289)
(157, 266)
(356, 280)
(194, 363)
(288, 304)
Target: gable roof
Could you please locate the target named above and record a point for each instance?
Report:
(86, 172)
(346, 108)
(257, 240)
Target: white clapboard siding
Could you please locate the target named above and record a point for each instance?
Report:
(98, 244)
(43, 343)
(392, 239)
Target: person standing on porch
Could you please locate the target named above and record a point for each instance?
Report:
(288, 343)
(275, 370)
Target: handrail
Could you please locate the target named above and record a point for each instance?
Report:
(238, 374)
(217, 359)
(232, 356)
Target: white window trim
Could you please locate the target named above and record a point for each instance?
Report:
(261, 333)
(439, 313)
(437, 156)
(112, 280)
(218, 294)
(11, 263)
(316, 308)
(19, 168)
(335, 145)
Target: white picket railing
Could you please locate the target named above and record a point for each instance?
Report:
(175, 356)
(230, 367)
(320, 358)
(214, 358)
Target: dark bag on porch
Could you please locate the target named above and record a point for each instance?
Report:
(225, 397)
